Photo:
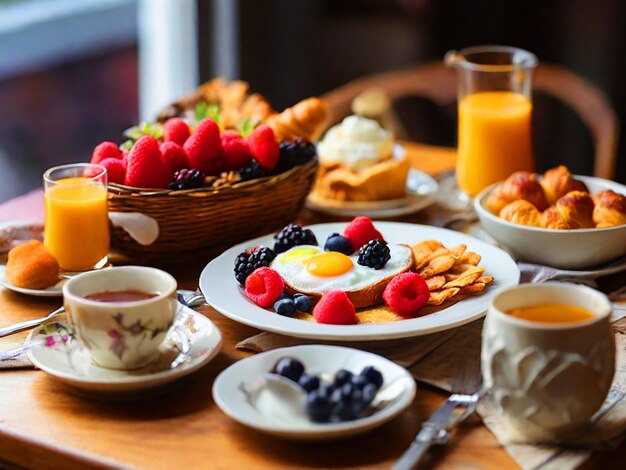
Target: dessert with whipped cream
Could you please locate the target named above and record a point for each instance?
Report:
(357, 163)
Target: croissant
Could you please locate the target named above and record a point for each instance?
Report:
(520, 185)
(521, 212)
(558, 181)
(305, 119)
(572, 211)
(610, 209)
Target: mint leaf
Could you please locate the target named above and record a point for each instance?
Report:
(201, 111)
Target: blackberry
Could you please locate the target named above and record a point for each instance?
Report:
(293, 235)
(248, 261)
(252, 171)
(294, 153)
(374, 254)
(187, 178)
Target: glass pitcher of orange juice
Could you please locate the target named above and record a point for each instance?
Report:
(495, 109)
(76, 230)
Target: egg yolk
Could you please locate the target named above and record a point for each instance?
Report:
(329, 264)
(298, 254)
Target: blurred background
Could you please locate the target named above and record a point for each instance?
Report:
(76, 72)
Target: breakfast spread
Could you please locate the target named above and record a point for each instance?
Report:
(357, 163)
(556, 201)
(357, 277)
(345, 398)
(31, 266)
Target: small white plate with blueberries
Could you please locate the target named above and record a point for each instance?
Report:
(314, 392)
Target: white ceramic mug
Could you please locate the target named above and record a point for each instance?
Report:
(121, 335)
(548, 379)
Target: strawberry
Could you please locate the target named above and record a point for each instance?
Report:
(263, 146)
(204, 148)
(105, 150)
(360, 231)
(146, 168)
(235, 150)
(116, 169)
(174, 156)
(176, 130)
(335, 308)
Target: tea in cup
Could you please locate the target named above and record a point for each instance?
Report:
(122, 314)
(548, 357)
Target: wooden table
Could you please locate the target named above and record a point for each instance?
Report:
(44, 425)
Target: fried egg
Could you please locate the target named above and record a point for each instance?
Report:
(312, 270)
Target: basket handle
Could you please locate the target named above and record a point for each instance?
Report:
(142, 228)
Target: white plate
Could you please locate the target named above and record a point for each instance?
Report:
(421, 191)
(565, 249)
(191, 343)
(317, 359)
(54, 291)
(222, 291)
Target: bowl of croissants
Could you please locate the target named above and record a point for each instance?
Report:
(556, 219)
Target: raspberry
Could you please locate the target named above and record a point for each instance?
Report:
(360, 231)
(204, 148)
(146, 168)
(235, 150)
(176, 130)
(264, 286)
(335, 308)
(116, 169)
(406, 293)
(174, 156)
(105, 150)
(263, 146)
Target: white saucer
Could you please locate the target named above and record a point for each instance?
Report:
(191, 343)
(317, 359)
(54, 291)
(421, 192)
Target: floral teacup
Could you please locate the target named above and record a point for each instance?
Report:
(548, 379)
(121, 335)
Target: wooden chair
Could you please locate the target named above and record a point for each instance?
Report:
(438, 83)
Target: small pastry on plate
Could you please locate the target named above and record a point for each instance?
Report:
(610, 209)
(31, 266)
(357, 163)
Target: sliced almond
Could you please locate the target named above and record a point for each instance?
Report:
(437, 265)
(469, 257)
(466, 278)
(485, 279)
(440, 296)
(436, 282)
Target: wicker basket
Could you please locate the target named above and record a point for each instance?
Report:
(206, 221)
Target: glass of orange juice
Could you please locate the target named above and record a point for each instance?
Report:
(77, 222)
(494, 112)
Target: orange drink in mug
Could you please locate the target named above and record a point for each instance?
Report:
(495, 111)
(77, 224)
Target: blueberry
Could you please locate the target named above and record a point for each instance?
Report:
(309, 382)
(343, 411)
(285, 307)
(290, 368)
(318, 407)
(303, 303)
(358, 381)
(326, 390)
(343, 376)
(372, 375)
(283, 296)
(336, 396)
(336, 242)
(369, 393)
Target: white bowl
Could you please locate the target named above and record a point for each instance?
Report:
(566, 249)
(317, 359)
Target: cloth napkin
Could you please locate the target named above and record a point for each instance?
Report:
(432, 359)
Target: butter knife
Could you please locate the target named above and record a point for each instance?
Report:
(437, 429)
